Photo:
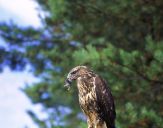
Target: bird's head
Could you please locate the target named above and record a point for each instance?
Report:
(75, 73)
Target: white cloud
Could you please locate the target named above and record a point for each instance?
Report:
(23, 12)
(14, 103)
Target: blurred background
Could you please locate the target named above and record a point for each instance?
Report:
(41, 40)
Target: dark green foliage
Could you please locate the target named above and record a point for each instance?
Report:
(120, 40)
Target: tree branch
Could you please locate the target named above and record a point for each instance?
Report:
(137, 72)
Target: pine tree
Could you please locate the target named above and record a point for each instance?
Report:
(120, 40)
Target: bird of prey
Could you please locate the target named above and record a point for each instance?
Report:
(95, 98)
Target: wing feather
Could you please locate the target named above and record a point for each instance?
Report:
(105, 102)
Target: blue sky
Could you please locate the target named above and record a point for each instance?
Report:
(13, 103)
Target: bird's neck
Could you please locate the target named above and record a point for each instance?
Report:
(84, 85)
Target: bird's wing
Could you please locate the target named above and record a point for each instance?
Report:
(105, 102)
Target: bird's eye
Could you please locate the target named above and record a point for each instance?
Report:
(74, 72)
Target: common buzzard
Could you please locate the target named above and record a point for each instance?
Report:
(95, 97)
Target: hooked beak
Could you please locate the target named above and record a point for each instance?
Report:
(70, 78)
(68, 82)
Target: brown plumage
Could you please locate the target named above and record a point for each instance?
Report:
(95, 98)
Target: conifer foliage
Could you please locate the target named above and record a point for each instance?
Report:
(121, 40)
